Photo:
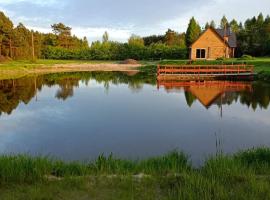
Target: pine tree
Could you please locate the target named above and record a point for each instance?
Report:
(224, 22)
(234, 26)
(212, 24)
(207, 25)
(193, 32)
(6, 27)
(105, 37)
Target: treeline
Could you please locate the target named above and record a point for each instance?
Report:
(117, 51)
(171, 46)
(22, 43)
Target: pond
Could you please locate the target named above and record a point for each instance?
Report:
(78, 116)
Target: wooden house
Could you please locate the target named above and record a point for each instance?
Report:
(213, 44)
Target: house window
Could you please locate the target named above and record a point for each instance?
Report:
(200, 53)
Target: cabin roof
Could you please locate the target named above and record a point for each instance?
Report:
(206, 95)
(228, 33)
(232, 42)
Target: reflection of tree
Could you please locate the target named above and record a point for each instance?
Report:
(66, 88)
(259, 97)
(13, 92)
(190, 98)
(253, 95)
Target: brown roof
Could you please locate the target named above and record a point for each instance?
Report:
(206, 95)
(228, 33)
(220, 33)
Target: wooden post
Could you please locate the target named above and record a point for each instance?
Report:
(10, 48)
(33, 47)
(1, 46)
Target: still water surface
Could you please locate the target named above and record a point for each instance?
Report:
(78, 116)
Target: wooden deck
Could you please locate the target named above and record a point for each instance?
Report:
(204, 72)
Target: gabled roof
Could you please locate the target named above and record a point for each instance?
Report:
(220, 33)
(228, 33)
(206, 95)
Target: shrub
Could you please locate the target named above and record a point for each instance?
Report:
(246, 57)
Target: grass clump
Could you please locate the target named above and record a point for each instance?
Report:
(258, 159)
(172, 163)
(246, 57)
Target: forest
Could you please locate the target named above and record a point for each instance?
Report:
(18, 42)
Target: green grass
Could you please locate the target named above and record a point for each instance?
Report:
(244, 175)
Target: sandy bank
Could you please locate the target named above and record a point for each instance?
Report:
(45, 69)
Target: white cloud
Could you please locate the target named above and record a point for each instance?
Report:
(121, 18)
(239, 10)
(93, 33)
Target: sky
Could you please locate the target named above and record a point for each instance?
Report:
(122, 18)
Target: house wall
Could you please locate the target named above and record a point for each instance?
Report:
(212, 43)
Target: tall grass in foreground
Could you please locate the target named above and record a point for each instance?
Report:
(242, 167)
(26, 169)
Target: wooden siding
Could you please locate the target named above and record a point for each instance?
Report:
(213, 45)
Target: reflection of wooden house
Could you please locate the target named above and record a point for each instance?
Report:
(213, 44)
(206, 95)
(207, 92)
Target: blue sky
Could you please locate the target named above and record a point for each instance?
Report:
(121, 18)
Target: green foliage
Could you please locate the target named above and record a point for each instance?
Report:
(246, 57)
(254, 37)
(61, 29)
(193, 32)
(224, 22)
(135, 40)
(153, 39)
(17, 42)
(117, 51)
(174, 39)
(258, 159)
(234, 26)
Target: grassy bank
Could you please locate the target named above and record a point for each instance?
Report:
(244, 175)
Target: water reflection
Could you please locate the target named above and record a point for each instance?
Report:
(219, 93)
(78, 116)
(208, 93)
(13, 92)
